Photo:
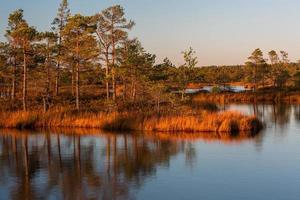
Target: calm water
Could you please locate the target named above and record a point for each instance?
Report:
(210, 88)
(63, 164)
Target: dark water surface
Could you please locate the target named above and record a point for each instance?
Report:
(88, 164)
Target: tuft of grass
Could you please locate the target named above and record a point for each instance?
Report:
(226, 122)
(20, 120)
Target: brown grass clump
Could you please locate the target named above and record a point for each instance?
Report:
(229, 125)
(54, 118)
(19, 120)
(226, 122)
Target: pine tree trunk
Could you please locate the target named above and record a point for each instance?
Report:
(182, 95)
(13, 89)
(113, 63)
(77, 87)
(57, 78)
(107, 74)
(48, 84)
(45, 104)
(77, 75)
(73, 80)
(114, 85)
(48, 87)
(133, 90)
(24, 80)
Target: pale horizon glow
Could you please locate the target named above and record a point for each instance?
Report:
(222, 32)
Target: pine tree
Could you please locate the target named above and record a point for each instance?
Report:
(14, 21)
(58, 25)
(135, 67)
(81, 45)
(112, 27)
(47, 49)
(23, 35)
(5, 74)
(258, 64)
(185, 72)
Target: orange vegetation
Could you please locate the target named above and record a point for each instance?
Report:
(225, 122)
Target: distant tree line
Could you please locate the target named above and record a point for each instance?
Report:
(274, 71)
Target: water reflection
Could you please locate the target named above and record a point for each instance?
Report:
(86, 164)
(297, 112)
(93, 166)
(273, 114)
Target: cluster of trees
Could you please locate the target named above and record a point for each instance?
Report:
(220, 75)
(83, 50)
(275, 73)
(96, 50)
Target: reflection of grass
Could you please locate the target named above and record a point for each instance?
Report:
(225, 138)
(225, 122)
(179, 136)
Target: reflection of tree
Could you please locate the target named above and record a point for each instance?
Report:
(100, 166)
(190, 154)
(143, 157)
(297, 112)
(72, 167)
(281, 114)
(278, 113)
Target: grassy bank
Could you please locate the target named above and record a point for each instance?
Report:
(250, 97)
(227, 122)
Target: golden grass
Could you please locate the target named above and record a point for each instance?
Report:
(39, 120)
(225, 122)
(61, 118)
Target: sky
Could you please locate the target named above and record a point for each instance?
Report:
(222, 32)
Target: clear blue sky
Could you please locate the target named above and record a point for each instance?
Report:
(221, 31)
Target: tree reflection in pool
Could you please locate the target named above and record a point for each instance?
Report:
(90, 164)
